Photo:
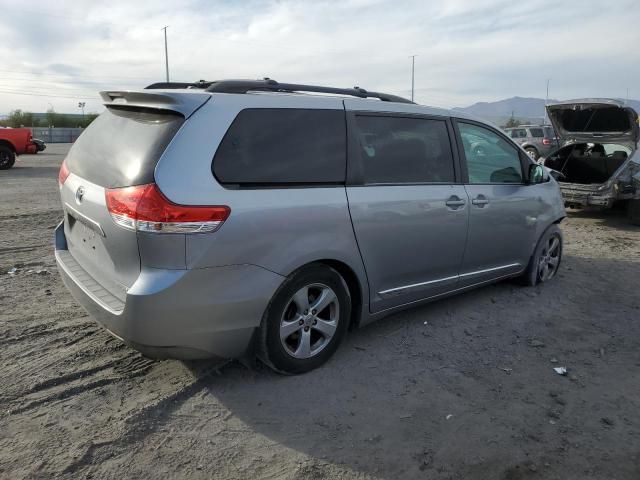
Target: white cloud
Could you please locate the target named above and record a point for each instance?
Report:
(58, 54)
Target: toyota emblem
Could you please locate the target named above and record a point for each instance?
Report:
(79, 195)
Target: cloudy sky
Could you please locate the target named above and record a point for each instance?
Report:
(55, 54)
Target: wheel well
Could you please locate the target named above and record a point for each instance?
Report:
(355, 289)
(6, 143)
(531, 147)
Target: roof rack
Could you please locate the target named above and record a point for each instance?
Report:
(269, 85)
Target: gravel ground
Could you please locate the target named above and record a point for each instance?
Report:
(462, 388)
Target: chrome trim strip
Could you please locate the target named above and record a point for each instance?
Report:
(439, 280)
(440, 295)
(487, 270)
(391, 290)
(86, 221)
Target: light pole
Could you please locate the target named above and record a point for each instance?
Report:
(546, 102)
(81, 105)
(166, 52)
(413, 71)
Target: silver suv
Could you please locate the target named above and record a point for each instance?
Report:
(537, 140)
(231, 218)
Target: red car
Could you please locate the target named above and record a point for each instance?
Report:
(14, 141)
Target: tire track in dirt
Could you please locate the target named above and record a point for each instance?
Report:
(141, 423)
(66, 386)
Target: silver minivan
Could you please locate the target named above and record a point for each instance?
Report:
(233, 218)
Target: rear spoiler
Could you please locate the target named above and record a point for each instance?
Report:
(183, 103)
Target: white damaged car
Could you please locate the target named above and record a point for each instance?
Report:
(599, 163)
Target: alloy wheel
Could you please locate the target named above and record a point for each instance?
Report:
(549, 259)
(309, 321)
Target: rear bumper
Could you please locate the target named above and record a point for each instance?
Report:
(31, 148)
(185, 314)
(583, 196)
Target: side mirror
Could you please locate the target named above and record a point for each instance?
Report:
(537, 174)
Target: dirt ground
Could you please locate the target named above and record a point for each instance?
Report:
(459, 389)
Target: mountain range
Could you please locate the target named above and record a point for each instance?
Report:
(525, 109)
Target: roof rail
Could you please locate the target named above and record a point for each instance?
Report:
(172, 85)
(269, 85)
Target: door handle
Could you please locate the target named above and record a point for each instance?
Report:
(454, 202)
(480, 201)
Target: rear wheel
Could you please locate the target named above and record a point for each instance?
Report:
(545, 262)
(633, 212)
(7, 158)
(532, 152)
(305, 321)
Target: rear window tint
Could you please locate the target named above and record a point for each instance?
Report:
(404, 150)
(536, 132)
(283, 146)
(606, 119)
(122, 146)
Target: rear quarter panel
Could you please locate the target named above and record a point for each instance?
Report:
(279, 229)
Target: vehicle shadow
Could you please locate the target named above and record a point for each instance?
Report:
(463, 387)
(615, 217)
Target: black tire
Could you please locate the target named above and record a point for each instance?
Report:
(533, 274)
(633, 212)
(532, 152)
(283, 310)
(7, 158)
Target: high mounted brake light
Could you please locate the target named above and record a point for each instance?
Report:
(144, 208)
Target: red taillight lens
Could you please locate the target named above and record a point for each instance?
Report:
(63, 173)
(144, 208)
(546, 141)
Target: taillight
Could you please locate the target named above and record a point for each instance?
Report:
(63, 173)
(546, 141)
(145, 209)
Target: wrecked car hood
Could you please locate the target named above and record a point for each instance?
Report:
(592, 120)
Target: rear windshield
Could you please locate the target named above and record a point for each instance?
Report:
(607, 119)
(122, 146)
(536, 132)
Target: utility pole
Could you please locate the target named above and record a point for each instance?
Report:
(413, 71)
(166, 52)
(546, 102)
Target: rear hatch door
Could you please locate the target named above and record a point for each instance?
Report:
(593, 120)
(119, 149)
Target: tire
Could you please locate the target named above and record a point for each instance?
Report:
(532, 152)
(292, 342)
(633, 212)
(7, 158)
(546, 258)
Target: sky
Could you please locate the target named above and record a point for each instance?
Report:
(56, 54)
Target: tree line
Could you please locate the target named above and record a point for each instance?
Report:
(18, 118)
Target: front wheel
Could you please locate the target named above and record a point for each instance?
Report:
(7, 158)
(305, 321)
(545, 262)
